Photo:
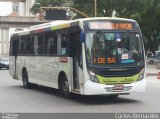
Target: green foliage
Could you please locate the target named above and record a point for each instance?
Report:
(146, 12)
(47, 3)
(85, 6)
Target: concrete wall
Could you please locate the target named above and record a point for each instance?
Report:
(13, 0)
(4, 41)
(28, 5)
(22, 11)
(24, 7)
(9, 25)
(6, 8)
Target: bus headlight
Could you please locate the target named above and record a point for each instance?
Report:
(93, 77)
(141, 75)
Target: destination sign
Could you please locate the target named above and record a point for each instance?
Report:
(103, 60)
(111, 25)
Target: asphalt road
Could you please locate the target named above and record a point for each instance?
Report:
(14, 98)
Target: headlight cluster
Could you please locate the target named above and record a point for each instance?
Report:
(2, 62)
(141, 75)
(93, 77)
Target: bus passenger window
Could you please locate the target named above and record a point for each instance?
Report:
(38, 44)
(28, 45)
(50, 43)
(21, 45)
(62, 44)
(51, 46)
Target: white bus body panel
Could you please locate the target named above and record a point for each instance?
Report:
(44, 70)
(91, 88)
(12, 69)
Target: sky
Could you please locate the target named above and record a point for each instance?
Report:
(6, 8)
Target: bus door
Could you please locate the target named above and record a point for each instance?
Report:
(75, 54)
(13, 56)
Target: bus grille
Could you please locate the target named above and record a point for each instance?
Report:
(119, 73)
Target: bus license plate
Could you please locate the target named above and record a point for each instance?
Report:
(118, 87)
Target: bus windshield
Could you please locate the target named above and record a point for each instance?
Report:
(112, 49)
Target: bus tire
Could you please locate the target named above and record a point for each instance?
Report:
(114, 96)
(26, 84)
(151, 62)
(64, 87)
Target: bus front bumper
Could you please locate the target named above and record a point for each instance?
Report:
(91, 88)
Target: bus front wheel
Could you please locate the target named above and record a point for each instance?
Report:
(64, 87)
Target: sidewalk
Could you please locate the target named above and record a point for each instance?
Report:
(152, 70)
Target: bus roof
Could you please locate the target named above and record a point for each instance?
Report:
(60, 24)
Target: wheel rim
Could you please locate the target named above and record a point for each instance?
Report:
(66, 86)
(151, 62)
(24, 81)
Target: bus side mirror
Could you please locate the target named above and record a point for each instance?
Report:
(82, 36)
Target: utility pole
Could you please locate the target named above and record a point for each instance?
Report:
(95, 8)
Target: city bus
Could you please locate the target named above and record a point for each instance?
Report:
(89, 56)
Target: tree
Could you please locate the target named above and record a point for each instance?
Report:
(150, 22)
(146, 12)
(48, 3)
(85, 6)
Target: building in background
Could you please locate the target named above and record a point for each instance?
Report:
(16, 7)
(14, 15)
(28, 5)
